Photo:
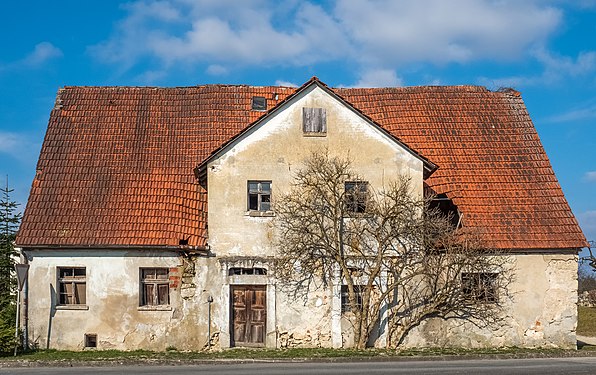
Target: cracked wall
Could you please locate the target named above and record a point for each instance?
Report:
(540, 310)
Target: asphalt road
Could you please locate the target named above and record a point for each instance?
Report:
(541, 366)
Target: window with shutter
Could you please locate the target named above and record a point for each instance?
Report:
(314, 121)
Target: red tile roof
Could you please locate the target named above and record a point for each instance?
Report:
(116, 166)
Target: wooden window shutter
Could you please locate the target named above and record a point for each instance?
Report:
(314, 120)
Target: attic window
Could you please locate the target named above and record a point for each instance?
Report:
(314, 121)
(259, 103)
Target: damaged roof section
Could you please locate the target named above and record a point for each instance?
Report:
(116, 165)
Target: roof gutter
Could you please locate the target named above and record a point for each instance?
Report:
(179, 248)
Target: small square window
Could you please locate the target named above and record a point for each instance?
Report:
(259, 195)
(90, 340)
(155, 287)
(480, 286)
(259, 103)
(356, 194)
(72, 286)
(314, 121)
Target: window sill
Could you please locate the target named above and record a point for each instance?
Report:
(72, 307)
(155, 308)
(314, 134)
(254, 213)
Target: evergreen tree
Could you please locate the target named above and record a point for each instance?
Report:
(9, 223)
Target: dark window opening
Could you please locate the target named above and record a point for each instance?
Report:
(356, 196)
(314, 120)
(446, 206)
(247, 271)
(72, 286)
(259, 103)
(90, 340)
(480, 286)
(155, 287)
(259, 195)
(345, 298)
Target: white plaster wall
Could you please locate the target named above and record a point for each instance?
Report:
(540, 310)
(113, 311)
(275, 150)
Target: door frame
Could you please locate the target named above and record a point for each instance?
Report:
(229, 281)
(253, 287)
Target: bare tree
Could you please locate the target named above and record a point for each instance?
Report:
(401, 260)
(590, 260)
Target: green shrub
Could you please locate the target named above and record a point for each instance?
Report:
(7, 317)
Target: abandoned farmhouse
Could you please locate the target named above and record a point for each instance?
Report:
(148, 221)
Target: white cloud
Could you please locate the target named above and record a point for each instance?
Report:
(590, 176)
(9, 142)
(442, 31)
(18, 146)
(587, 221)
(379, 78)
(556, 68)
(216, 70)
(285, 83)
(42, 52)
(149, 77)
(381, 33)
(583, 111)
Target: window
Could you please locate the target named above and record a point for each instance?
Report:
(480, 286)
(259, 103)
(314, 120)
(90, 340)
(345, 297)
(72, 286)
(246, 271)
(259, 195)
(155, 287)
(356, 196)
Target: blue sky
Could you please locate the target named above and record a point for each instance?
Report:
(545, 49)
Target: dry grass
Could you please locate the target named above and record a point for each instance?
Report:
(586, 321)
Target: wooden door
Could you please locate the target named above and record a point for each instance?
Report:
(249, 314)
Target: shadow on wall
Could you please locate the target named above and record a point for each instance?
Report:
(52, 313)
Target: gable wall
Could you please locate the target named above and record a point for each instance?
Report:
(276, 148)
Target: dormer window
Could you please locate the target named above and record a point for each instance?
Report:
(259, 103)
(314, 121)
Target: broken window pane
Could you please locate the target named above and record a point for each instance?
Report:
(253, 201)
(259, 195)
(356, 194)
(155, 286)
(72, 286)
